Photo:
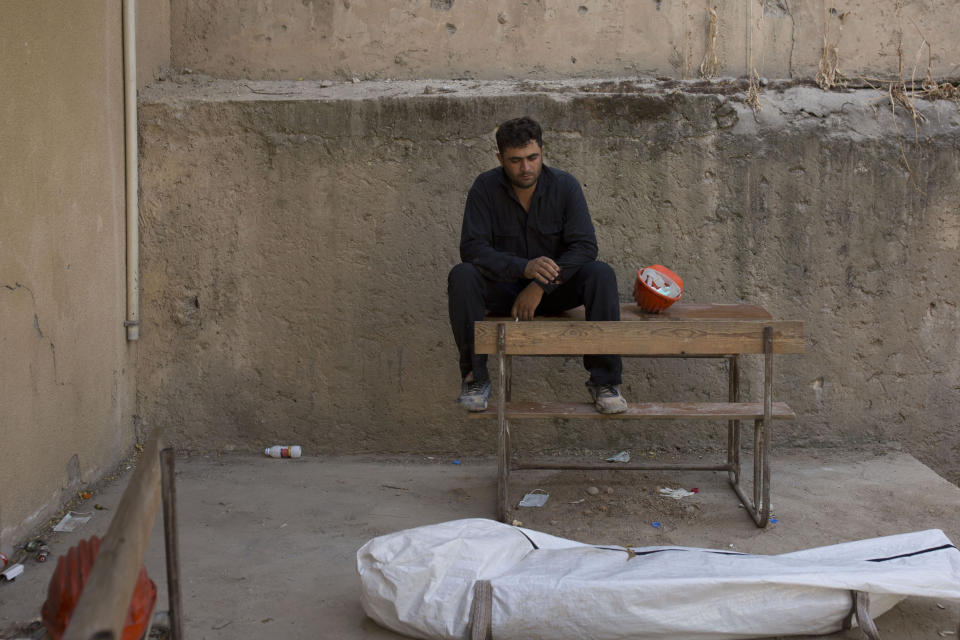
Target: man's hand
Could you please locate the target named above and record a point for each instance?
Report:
(542, 269)
(526, 303)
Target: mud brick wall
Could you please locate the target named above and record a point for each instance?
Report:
(297, 238)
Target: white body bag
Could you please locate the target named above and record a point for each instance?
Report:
(421, 582)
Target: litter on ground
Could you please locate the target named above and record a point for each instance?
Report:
(536, 498)
(72, 520)
(676, 494)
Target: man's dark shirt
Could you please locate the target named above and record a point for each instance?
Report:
(499, 237)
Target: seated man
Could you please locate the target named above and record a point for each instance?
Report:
(528, 246)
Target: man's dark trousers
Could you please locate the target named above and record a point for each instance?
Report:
(471, 295)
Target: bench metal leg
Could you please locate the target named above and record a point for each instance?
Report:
(503, 440)
(767, 424)
(759, 506)
(733, 426)
(508, 462)
(757, 462)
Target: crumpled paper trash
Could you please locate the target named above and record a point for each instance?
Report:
(676, 494)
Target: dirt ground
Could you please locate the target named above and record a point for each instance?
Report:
(268, 546)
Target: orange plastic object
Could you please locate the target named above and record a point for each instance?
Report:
(67, 584)
(656, 292)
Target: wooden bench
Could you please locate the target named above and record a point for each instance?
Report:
(682, 331)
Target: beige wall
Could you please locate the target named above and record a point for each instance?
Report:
(331, 39)
(153, 39)
(67, 374)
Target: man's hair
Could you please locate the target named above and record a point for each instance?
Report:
(518, 133)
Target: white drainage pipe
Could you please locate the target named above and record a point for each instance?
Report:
(132, 322)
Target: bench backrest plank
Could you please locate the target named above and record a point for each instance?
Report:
(680, 311)
(630, 338)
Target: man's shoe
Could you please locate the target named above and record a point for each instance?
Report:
(474, 395)
(607, 398)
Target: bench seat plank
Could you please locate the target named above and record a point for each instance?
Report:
(649, 410)
(694, 337)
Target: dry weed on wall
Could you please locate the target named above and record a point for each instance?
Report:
(898, 92)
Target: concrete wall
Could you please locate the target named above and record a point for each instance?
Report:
(370, 39)
(298, 239)
(67, 374)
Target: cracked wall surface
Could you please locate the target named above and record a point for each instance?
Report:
(67, 374)
(299, 235)
(366, 39)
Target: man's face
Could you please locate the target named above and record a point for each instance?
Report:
(522, 164)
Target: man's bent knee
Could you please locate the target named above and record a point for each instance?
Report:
(599, 273)
(464, 276)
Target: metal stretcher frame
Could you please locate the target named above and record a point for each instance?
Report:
(481, 613)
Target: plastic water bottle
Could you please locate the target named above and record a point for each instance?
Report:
(280, 451)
